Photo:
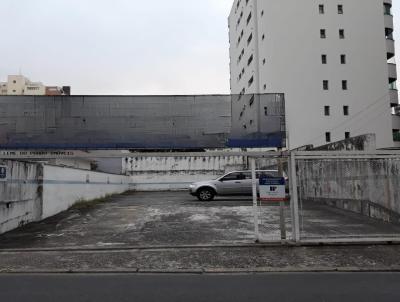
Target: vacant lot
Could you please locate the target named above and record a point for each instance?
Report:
(176, 218)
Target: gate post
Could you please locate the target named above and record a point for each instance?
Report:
(294, 199)
(255, 206)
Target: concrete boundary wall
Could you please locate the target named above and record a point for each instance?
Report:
(20, 195)
(63, 187)
(176, 173)
(34, 191)
(370, 187)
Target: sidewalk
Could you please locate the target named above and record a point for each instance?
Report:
(206, 259)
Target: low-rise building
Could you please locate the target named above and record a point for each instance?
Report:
(20, 85)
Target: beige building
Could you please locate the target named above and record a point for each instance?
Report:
(20, 85)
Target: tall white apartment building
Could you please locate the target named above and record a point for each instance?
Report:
(333, 60)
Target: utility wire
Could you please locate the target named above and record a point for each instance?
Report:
(382, 98)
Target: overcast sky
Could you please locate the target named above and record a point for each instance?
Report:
(121, 46)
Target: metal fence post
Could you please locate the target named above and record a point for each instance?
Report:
(294, 199)
(255, 209)
(282, 205)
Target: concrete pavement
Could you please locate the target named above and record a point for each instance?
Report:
(173, 232)
(176, 218)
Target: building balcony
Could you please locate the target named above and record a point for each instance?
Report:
(394, 97)
(396, 129)
(396, 122)
(390, 48)
(389, 23)
(388, 2)
(392, 69)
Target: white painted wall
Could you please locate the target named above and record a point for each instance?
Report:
(157, 173)
(34, 191)
(63, 187)
(77, 163)
(292, 50)
(20, 195)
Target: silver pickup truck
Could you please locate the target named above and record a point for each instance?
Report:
(233, 183)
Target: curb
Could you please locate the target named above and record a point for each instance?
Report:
(183, 247)
(206, 271)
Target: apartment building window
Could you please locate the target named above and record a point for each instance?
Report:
(265, 111)
(250, 38)
(325, 84)
(250, 60)
(328, 137)
(321, 9)
(344, 85)
(323, 33)
(251, 101)
(324, 59)
(248, 19)
(340, 9)
(347, 135)
(327, 110)
(240, 56)
(251, 81)
(341, 33)
(346, 110)
(343, 59)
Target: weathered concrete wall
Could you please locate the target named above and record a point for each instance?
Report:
(34, 191)
(157, 173)
(84, 164)
(63, 187)
(366, 186)
(365, 142)
(127, 122)
(21, 195)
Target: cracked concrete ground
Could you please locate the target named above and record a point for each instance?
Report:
(176, 218)
(148, 219)
(127, 231)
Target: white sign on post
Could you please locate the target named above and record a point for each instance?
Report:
(3, 173)
(272, 189)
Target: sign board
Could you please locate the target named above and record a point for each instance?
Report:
(272, 189)
(3, 173)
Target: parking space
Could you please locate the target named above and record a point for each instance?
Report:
(320, 221)
(142, 219)
(176, 218)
